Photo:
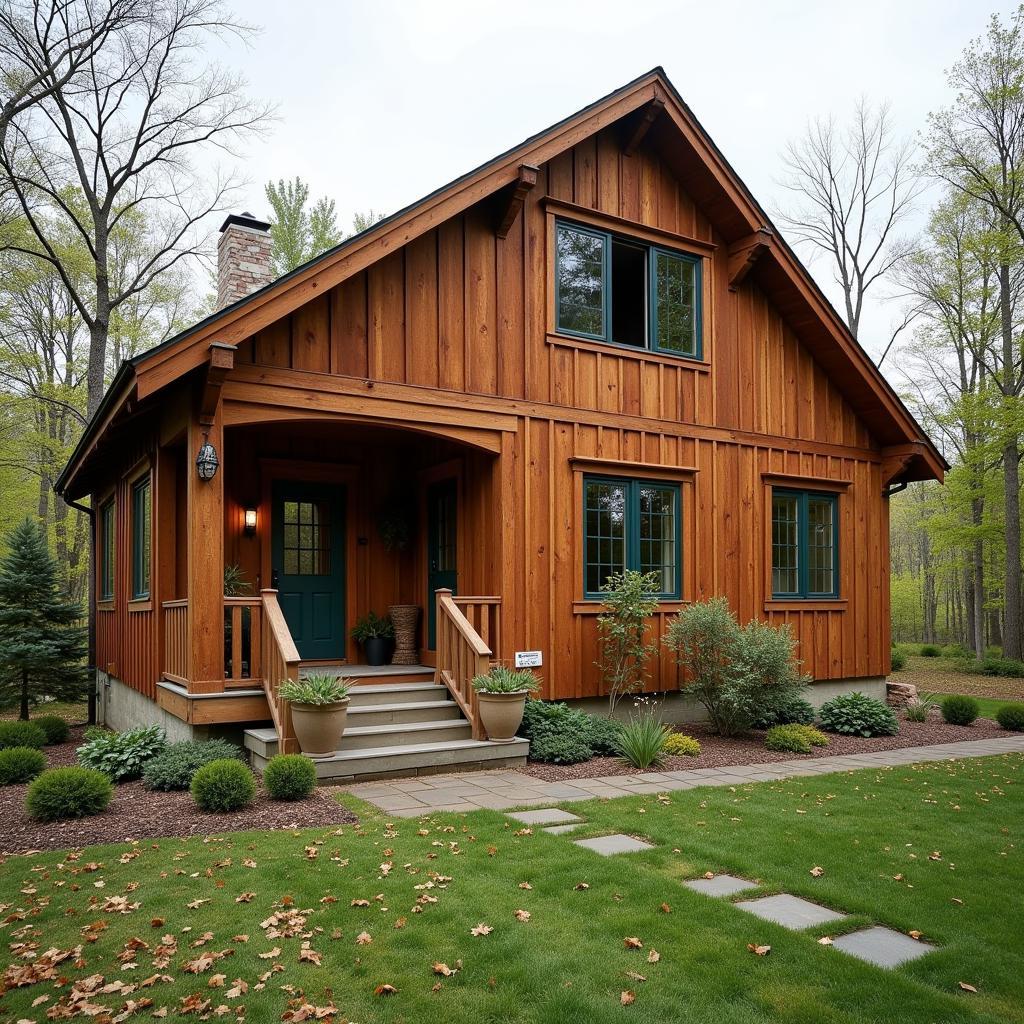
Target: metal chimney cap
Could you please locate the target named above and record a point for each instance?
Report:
(245, 220)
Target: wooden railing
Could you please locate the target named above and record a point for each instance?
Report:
(461, 650)
(279, 661)
(242, 645)
(484, 615)
(176, 659)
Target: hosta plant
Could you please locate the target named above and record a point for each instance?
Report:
(856, 714)
(122, 755)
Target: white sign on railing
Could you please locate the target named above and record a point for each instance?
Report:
(529, 659)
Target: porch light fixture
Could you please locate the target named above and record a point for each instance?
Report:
(207, 462)
(250, 521)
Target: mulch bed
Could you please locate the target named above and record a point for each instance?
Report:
(137, 813)
(723, 752)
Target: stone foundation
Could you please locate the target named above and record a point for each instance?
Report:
(120, 707)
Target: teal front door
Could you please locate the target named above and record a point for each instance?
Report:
(442, 534)
(308, 561)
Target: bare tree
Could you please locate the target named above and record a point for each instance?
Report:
(851, 189)
(94, 158)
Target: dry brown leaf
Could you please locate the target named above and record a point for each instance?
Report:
(966, 987)
(915, 934)
(217, 981)
(364, 939)
(627, 997)
(653, 956)
(443, 969)
(245, 897)
(522, 915)
(481, 929)
(385, 990)
(759, 950)
(634, 976)
(825, 940)
(632, 942)
(817, 871)
(666, 909)
(271, 955)
(581, 885)
(525, 885)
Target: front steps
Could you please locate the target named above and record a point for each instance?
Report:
(399, 729)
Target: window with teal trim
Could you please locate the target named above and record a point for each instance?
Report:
(805, 544)
(141, 539)
(107, 524)
(624, 292)
(630, 524)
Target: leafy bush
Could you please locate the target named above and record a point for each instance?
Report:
(20, 764)
(799, 739)
(502, 679)
(785, 708)
(90, 732)
(602, 734)
(960, 710)
(560, 748)
(317, 688)
(642, 739)
(176, 765)
(856, 714)
(679, 745)
(898, 660)
(122, 755)
(930, 650)
(1005, 667)
(735, 673)
(223, 785)
(289, 777)
(72, 792)
(55, 727)
(955, 651)
(21, 734)
(622, 631)
(1009, 716)
(372, 625)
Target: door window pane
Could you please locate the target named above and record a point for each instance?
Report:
(675, 290)
(605, 508)
(444, 532)
(580, 260)
(306, 538)
(785, 544)
(658, 534)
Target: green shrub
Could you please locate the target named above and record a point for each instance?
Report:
(223, 785)
(72, 792)
(289, 777)
(602, 734)
(679, 745)
(122, 755)
(1009, 716)
(785, 708)
(560, 748)
(91, 732)
(55, 727)
(898, 660)
(955, 651)
(930, 650)
(622, 632)
(735, 673)
(642, 740)
(855, 714)
(371, 626)
(21, 734)
(920, 707)
(174, 767)
(1006, 667)
(799, 739)
(960, 710)
(20, 764)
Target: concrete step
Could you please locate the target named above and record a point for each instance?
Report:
(362, 737)
(374, 675)
(411, 759)
(398, 693)
(408, 712)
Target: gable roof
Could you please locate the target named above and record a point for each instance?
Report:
(702, 170)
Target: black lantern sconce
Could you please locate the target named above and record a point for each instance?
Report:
(207, 462)
(249, 520)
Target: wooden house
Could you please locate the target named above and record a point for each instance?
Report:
(591, 353)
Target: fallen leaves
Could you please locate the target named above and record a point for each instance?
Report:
(385, 990)
(627, 997)
(308, 955)
(481, 929)
(817, 871)
(245, 897)
(966, 987)
(632, 942)
(364, 939)
(653, 956)
(759, 950)
(522, 915)
(272, 954)
(581, 886)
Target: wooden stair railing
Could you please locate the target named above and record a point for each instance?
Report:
(176, 667)
(243, 616)
(462, 652)
(279, 661)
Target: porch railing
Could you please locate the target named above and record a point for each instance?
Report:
(484, 615)
(176, 659)
(279, 661)
(243, 621)
(461, 651)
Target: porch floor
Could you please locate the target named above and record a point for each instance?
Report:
(364, 672)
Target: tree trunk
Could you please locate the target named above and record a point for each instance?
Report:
(1011, 476)
(978, 594)
(24, 695)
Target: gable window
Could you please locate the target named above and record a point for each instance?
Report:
(141, 537)
(805, 544)
(626, 292)
(107, 551)
(630, 524)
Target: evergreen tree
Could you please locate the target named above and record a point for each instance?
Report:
(297, 234)
(42, 647)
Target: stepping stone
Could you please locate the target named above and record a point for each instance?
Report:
(544, 816)
(882, 946)
(790, 911)
(618, 843)
(557, 830)
(720, 885)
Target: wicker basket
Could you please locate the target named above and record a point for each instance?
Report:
(406, 619)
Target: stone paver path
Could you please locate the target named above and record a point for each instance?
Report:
(608, 846)
(719, 885)
(500, 790)
(883, 947)
(545, 816)
(790, 911)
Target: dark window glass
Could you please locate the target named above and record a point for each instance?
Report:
(657, 511)
(605, 510)
(785, 549)
(580, 261)
(306, 538)
(107, 523)
(675, 292)
(805, 554)
(820, 545)
(629, 294)
(141, 538)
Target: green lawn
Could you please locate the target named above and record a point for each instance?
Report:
(951, 832)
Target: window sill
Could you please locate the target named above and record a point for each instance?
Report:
(611, 348)
(143, 604)
(105, 606)
(593, 606)
(801, 604)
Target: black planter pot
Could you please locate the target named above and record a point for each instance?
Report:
(377, 650)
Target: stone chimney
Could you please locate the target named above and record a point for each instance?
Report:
(243, 258)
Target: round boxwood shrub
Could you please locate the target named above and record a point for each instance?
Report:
(602, 734)
(21, 734)
(783, 709)
(560, 748)
(176, 765)
(223, 785)
(289, 777)
(679, 745)
(20, 764)
(856, 714)
(72, 792)
(960, 710)
(55, 727)
(1011, 716)
(795, 738)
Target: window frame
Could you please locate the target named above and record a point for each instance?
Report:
(803, 498)
(139, 538)
(652, 250)
(108, 550)
(633, 486)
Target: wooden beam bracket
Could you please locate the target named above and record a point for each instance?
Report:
(745, 252)
(646, 118)
(220, 363)
(519, 190)
(896, 460)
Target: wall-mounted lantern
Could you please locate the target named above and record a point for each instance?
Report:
(250, 521)
(207, 462)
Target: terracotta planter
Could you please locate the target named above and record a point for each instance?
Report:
(501, 714)
(319, 727)
(405, 618)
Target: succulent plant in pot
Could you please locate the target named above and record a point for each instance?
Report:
(319, 706)
(375, 634)
(501, 696)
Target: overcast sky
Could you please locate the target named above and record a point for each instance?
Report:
(380, 102)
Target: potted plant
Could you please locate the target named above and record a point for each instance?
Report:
(502, 694)
(374, 634)
(319, 711)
